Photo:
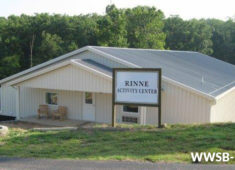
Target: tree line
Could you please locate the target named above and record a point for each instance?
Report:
(26, 41)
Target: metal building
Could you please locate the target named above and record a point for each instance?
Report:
(196, 88)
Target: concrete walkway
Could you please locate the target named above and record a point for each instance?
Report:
(39, 164)
(56, 123)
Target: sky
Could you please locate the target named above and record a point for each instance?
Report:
(187, 9)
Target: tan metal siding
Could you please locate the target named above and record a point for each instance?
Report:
(73, 101)
(8, 95)
(8, 100)
(224, 110)
(29, 101)
(180, 106)
(31, 98)
(152, 115)
(70, 78)
(103, 108)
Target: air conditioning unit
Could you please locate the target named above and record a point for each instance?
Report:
(129, 119)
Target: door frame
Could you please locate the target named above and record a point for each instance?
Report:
(84, 103)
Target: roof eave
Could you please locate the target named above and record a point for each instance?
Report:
(209, 97)
(121, 61)
(35, 68)
(205, 95)
(224, 93)
(57, 66)
(37, 73)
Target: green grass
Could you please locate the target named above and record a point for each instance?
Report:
(171, 144)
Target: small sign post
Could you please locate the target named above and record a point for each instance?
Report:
(136, 86)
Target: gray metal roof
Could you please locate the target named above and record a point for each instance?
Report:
(96, 66)
(199, 71)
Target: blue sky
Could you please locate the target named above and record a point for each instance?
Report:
(187, 9)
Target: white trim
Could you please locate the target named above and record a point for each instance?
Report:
(163, 77)
(93, 105)
(222, 87)
(45, 98)
(44, 64)
(87, 68)
(40, 72)
(109, 56)
(143, 116)
(17, 102)
(57, 66)
(210, 97)
(223, 94)
(91, 49)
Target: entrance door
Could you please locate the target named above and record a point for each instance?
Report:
(88, 106)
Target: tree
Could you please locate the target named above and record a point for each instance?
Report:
(223, 39)
(145, 28)
(9, 65)
(26, 41)
(51, 46)
(176, 35)
(192, 35)
(112, 28)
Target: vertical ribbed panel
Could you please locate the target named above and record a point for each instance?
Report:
(103, 108)
(70, 78)
(178, 105)
(8, 100)
(181, 106)
(31, 98)
(224, 110)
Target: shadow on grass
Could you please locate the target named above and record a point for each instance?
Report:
(174, 144)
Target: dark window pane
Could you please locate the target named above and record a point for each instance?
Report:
(88, 98)
(51, 98)
(130, 109)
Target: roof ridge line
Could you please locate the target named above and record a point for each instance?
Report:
(164, 77)
(111, 56)
(145, 49)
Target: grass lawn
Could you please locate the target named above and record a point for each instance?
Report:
(171, 144)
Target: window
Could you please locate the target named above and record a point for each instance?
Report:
(88, 98)
(133, 109)
(52, 98)
(129, 119)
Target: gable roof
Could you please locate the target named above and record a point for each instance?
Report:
(194, 70)
(199, 71)
(93, 65)
(98, 69)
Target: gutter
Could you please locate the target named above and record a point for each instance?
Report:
(40, 66)
(226, 92)
(121, 61)
(35, 74)
(166, 79)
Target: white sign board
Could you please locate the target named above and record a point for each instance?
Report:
(137, 86)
